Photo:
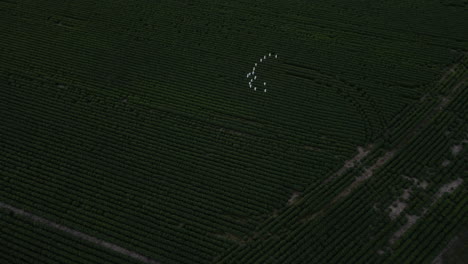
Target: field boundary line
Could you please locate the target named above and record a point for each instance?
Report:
(79, 234)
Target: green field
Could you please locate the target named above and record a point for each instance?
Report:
(131, 125)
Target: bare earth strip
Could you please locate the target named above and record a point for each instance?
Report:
(411, 220)
(79, 234)
(454, 251)
(438, 259)
(362, 153)
(447, 188)
(366, 175)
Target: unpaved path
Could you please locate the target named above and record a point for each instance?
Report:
(293, 197)
(365, 175)
(411, 220)
(454, 246)
(447, 188)
(438, 259)
(362, 153)
(79, 234)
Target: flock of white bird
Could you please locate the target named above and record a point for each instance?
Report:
(252, 75)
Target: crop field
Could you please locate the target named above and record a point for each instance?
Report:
(134, 131)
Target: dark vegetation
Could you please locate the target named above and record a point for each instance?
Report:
(132, 121)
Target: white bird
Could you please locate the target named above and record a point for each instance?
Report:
(260, 60)
(251, 80)
(264, 83)
(264, 57)
(255, 77)
(269, 54)
(276, 56)
(264, 90)
(253, 69)
(255, 64)
(255, 88)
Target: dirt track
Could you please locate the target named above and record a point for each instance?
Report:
(78, 234)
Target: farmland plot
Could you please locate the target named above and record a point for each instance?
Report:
(131, 122)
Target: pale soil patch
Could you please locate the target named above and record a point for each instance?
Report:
(399, 205)
(448, 188)
(293, 197)
(418, 183)
(366, 174)
(396, 208)
(445, 163)
(352, 162)
(446, 100)
(438, 259)
(423, 184)
(456, 149)
(450, 71)
(444, 103)
(362, 152)
(411, 220)
(406, 194)
(79, 234)
(415, 130)
(460, 84)
(454, 251)
(312, 216)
